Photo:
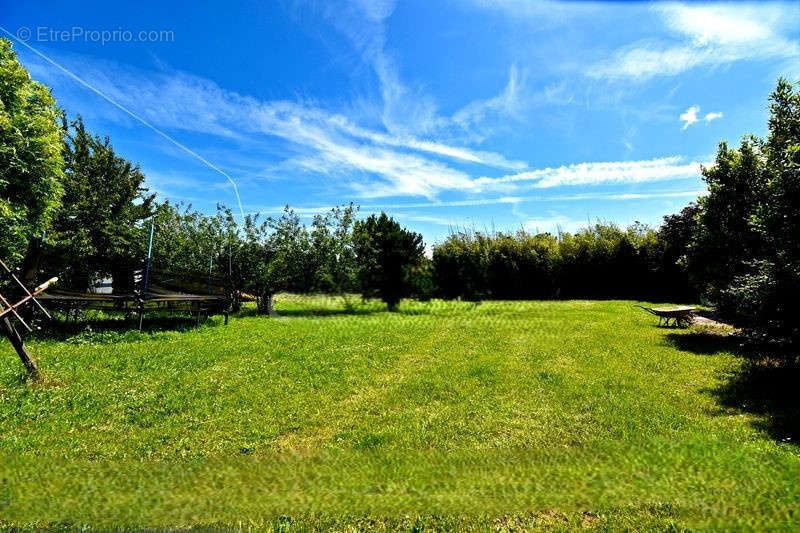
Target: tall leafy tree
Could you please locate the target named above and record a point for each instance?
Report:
(30, 157)
(765, 296)
(386, 254)
(746, 249)
(725, 239)
(332, 240)
(97, 230)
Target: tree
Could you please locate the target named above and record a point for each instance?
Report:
(386, 254)
(97, 231)
(254, 272)
(746, 249)
(186, 241)
(674, 241)
(332, 242)
(726, 240)
(30, 157)
(30, 169)
(765, 296)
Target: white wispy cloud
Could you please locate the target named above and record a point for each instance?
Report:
(594, 173)
(441, 221)
(710, 35)
(502, 200)
(506, 104)
(320, 141)
(722, 23)
(555, 223)
(370, 163)
(407, 108)
(689, 116)
(410, 142)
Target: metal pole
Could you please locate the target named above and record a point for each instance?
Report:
(146, 279)
(149, 254)
(210, 266)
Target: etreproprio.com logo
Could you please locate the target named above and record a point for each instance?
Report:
(46, 34)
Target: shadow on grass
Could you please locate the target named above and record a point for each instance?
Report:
(765, 385)
(111, 329)
(365, 311)
(305, 312)
(769, 391)
(706, 343)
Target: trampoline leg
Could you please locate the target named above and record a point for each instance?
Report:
(16, 341)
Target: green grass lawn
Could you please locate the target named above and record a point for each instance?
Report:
(445, 415)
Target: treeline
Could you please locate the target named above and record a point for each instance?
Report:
(601, 261)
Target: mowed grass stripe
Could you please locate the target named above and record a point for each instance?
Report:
(530, 409)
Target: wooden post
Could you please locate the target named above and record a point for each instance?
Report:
(16, 341)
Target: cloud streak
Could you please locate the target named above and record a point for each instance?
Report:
(372, 164)
(706, 35)
(595, 173)
(501, 200)
(320, 141)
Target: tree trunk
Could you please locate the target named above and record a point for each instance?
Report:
(29, 268)
(269, 304)
(16, 341)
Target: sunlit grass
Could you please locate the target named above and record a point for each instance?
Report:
(444, 415)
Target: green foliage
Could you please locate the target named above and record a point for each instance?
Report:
(421, 284)
(747, 243)
(259, 257)
(332, 240)
(725, 238)
(441, 407)
(290, 256)
(474, 266)
(188, 241)
(386, 253)
(603, 261)
(30, 157)
(675, 238)
(97, 231)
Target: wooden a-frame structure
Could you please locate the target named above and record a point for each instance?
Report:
(10, 311)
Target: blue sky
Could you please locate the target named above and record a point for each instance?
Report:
(492, 114)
